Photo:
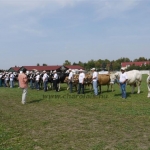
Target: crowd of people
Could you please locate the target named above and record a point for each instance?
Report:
(39, 80)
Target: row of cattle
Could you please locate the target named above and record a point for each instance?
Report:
(134, 79)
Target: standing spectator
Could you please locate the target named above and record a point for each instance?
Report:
(123, 79)
(70, 78)
(37, 78)
(0, 79)
(7, 79)
(55, 78)
(45, 80)
(23, 83)
(81, 82)
(11, 80)
(95, 78)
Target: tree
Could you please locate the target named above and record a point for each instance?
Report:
(38, 64)
(67, 62)
(44, 64)
(140, 59)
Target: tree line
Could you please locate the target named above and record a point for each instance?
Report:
(110, 65)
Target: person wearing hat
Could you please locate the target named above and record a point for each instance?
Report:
(23, 83)
(94, 79)
(81, 82)
(122, 80)
(37, 79)
(70, 78)
(55, 79)
(12, 80)
(45, 80)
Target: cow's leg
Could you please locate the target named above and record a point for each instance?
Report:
(107, 87)
(133, 87)
(138, 89)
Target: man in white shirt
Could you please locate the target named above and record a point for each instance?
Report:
(37, 78)
(70, 78)
(55, 79)
(0, 79)
(45, 80)
(123, 79)
(11, 80)
(95, 78)
(81, 82)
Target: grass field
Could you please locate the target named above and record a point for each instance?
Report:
(72, 122)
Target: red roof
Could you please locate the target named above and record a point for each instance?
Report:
(15, 68)
(140, 63)
(74, 67)
(41, 68)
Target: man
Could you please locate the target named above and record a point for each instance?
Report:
(94, 79)
(122, 80)
(81, 82)
(55, 78)
(0, 79)
(45, 80)
(11, 80)
(37, 78)
(23, 83)
(70, 78)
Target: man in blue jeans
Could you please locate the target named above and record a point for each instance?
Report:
(123, 79)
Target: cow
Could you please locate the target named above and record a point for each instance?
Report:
(134, 79)
(103, 79)
(148, 85)
(75, 81)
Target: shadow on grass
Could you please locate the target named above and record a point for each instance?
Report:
(35, 101)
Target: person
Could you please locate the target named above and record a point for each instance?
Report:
(70, 78)
(45, 80)
(23, 83)
(122, 80)
(12, 80)
(81, 82)
(37, 78)
(94, 79)
(55, 78)
(0, 79)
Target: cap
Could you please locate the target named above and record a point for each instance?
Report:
(93, 69)
(122, 69)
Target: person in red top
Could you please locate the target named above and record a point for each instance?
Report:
(23, 83)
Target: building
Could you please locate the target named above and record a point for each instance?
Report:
(14, 69)
(140, 63)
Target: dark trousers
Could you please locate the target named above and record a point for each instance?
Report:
(81, 88)
(55, 85)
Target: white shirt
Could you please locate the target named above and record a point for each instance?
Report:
(37, 77)
(11, 77)
(55, 76)
(81, 77)
(45, 76)
(70, 76)
(95, 76)
(123, 77)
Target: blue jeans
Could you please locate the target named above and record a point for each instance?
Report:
(11, 84)
(37, 85)
(123, 89)
(81, 88)
(95, 87)
(45, 86)
(31, 84)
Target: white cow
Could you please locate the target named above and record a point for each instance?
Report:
(134, 79)
(148, 85)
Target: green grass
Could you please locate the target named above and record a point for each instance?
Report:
(74, 122)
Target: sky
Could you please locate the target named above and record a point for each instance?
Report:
(52, 31)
